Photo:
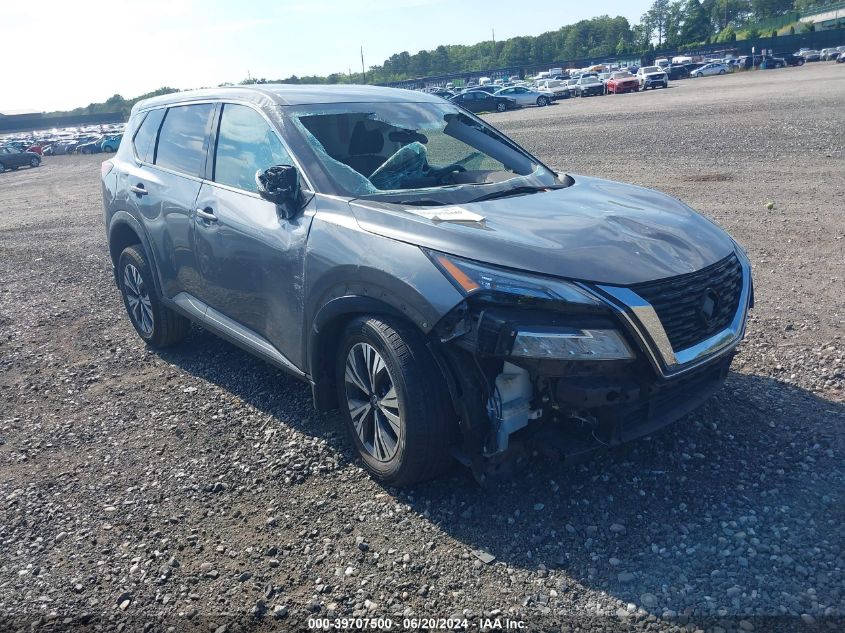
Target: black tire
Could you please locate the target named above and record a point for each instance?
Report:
(2, 168)
(501, 107)
(542, 101)
(34, 162)
(801, 63)
(427, 421)
(722, 72)
(168, 327)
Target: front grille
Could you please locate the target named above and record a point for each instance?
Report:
(679, 301)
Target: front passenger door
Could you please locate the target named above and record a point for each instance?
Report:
(250, 259)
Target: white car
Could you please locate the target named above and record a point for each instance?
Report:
(651, 77)
(716, 68)
(525, 96)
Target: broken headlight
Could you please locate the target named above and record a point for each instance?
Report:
(571, 344)
(473, 278)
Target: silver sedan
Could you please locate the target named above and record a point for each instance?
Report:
(526, 96)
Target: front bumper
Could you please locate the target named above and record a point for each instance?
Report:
(579, 405)
(623, 408)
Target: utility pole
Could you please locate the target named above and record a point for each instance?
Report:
(363, 72)
(494, 42)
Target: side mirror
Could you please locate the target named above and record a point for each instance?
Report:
(280, 185)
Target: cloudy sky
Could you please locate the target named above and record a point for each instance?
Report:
(71, 53)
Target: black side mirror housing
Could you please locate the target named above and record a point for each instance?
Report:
(280, 185)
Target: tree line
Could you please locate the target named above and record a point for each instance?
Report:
(667, 24)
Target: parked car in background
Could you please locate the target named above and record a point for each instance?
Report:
(791, 60)
(12, 158)
(764, 62)
(558, 87)
(111, 143)
(652, 77)
(620, 82)
(92, 146)
(572, 86)
(526, 96)
(829, 54)
(810, 55)
(710, 69)
(840, 59)
(677, 71)
(36, 148)
(589, 85)
(481, 101)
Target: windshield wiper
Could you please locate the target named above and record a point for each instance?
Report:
(516, 191)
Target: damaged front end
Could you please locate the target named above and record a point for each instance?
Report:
(535, 363)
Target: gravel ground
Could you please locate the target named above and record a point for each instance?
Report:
(197, 489)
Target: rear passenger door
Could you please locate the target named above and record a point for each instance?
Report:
(250, 258)
(171, 147)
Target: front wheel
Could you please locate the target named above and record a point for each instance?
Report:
(542, 101)
(501, 107)
(394, 401)
(722, 72)
(157, 324)
(2, 168)
(34, 162)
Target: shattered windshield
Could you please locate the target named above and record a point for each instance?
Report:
(416, 153)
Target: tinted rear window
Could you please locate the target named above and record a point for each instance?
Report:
(182, 141)
(145, 137)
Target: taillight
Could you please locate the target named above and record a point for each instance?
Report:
(105, 168)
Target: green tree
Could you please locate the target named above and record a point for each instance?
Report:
(656, 17)
(765, 9)
(696, 26)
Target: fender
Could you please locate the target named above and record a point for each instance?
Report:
(324, 331)
(124, 218)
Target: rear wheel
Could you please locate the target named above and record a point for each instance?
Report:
(542, 101)
(501, 107)
(34, 162)
(157, 324)
(394, 401)
(2, 167)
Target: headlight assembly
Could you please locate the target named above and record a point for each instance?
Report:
(473, 278)
(571, 344)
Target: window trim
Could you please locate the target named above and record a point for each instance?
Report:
(215, 135)
(145, 114)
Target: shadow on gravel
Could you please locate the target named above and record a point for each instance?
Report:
(736, 509)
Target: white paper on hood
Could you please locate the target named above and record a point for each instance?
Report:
(448, 214)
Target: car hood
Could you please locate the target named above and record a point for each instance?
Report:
(594, 230)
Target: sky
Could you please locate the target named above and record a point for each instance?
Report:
(73, 53)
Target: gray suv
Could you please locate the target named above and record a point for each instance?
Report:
(449, 293)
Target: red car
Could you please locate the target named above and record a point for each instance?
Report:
(622, 82)
(36, 149)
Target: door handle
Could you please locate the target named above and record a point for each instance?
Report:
(206, 214)
(139, 189)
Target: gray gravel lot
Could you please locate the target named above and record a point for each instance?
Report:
(197, 488)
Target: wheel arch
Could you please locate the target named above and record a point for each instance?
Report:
(327, 327)
(125, 230)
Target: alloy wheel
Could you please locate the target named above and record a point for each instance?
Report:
(372, 401)
(138, 299)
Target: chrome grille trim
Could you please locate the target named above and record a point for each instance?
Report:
(642, 321)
